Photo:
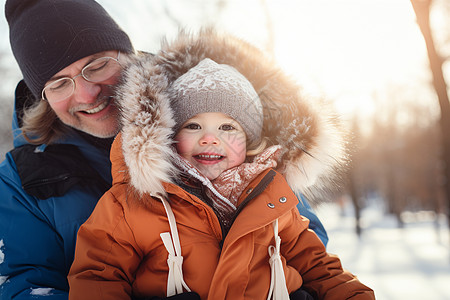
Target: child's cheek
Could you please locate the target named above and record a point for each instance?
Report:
(237, 149)
(182, 145)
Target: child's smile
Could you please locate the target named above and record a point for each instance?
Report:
(212, 142)
(208, 158)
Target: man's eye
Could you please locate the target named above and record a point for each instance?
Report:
(192, 126)
(59, 85)
(227, 127)
(96, 66)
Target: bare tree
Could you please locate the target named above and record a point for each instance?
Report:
(422, 11)
(352, 173)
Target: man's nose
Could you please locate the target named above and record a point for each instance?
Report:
(85, 91)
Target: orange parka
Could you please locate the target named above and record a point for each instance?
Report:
(120, 253)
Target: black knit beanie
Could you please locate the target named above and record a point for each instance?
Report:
(48, 35)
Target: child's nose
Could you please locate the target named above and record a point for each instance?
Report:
(209, 139)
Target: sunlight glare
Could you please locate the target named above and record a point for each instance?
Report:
(348, 54)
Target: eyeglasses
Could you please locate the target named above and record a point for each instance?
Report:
(98, 70)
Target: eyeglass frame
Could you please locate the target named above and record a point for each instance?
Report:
(78, 75)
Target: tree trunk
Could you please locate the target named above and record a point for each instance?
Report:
(351, 177)
(356, 206)
(422, 11)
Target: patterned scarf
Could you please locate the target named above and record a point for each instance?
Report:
(225, 190)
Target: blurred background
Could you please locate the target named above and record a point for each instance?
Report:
(384, 66)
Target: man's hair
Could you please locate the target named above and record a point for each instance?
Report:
(40, 125)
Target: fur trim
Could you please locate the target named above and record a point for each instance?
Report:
(309, 132)
(146, 119)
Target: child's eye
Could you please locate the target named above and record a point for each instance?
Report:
(192, 126)
(227, 127)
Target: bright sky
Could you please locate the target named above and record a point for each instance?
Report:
(349, 51)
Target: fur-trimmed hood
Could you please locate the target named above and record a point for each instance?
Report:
(312, 139)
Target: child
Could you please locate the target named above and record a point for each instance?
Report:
(208, 218)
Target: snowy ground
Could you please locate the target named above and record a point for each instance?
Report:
(410, 263)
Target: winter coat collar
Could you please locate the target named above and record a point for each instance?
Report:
(224, 191)
(307, 130)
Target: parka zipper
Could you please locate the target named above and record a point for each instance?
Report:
(268, 178)
(262, 185)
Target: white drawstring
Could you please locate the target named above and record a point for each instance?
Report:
(278, 289)
(175, 280)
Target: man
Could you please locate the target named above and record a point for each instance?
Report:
(70, 53)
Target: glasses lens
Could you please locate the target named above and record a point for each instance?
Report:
(59, 90)
(101, 69)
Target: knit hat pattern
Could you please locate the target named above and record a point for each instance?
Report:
(48, 35)
(212, 87)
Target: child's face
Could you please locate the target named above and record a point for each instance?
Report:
(212, 142)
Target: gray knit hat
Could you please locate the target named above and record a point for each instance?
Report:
(212, 87)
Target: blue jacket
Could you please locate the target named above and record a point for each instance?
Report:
(314, 222)
(47, 192)
(38, 226)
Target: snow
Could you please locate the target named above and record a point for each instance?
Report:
(2, 255)
(411, 263)
(41, 291)
(2, 258)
